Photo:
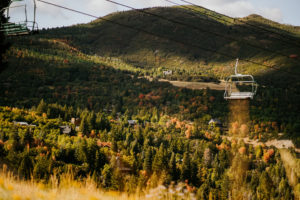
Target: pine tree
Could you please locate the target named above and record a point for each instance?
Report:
(81, 151)
(148, 160)
(265, 185)
(26, 166)
(42, 107)
(41, 169)
(193, 172)
(114, 146)
(134, 147)
(84, 128)
(284, 189)
(14, 140)
(203, 191)
(172, 167)
(128, 139)
(91, 153)
(27, 138)
(225, 183)
(106, 176)
(100, 160)
(91, 120)
(186, 166)
(101, 122)
(158, 162)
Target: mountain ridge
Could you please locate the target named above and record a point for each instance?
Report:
(142, 50)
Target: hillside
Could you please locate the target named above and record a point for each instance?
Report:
(74, 66)
(98, 65)
(151, 55)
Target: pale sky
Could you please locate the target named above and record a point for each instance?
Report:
(282, 11)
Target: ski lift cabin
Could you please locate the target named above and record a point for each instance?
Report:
(24, 27)
(240, 86)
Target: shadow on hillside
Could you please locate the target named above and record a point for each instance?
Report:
(104, 38)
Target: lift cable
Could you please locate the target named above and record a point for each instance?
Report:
(202, 30)
(169, 39)
(282, 38)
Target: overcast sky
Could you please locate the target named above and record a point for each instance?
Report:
(283, 11)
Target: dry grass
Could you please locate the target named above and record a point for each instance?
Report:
(12, 188)
(68, 189)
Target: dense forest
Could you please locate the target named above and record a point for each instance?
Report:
(124, 156)
(87, 100)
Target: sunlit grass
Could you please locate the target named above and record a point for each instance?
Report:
(12, 188)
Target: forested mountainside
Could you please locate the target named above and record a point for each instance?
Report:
(151, 54)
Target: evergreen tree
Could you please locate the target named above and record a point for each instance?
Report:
(27, 138)
(128, 139)
(13, 157)
(193, 171)
(101, 122)
(159, 162)
(84, 127)
(91, 153)
(14, 140)
(223, 160)
(148, 160)
(91, 120)
(134, 147)
(26, 166)
(106, 176)
(41, 168)
(265, 186)
(173, 168)
(284, 189)
(42, 107)
(81, 151)
(114, 146)
(225, 184)
(186, 167)
(203, 191)
(100, 160)
(254, 181)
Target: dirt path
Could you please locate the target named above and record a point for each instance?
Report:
(196, 85)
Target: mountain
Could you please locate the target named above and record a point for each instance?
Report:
(99, 65)
(193, 31)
